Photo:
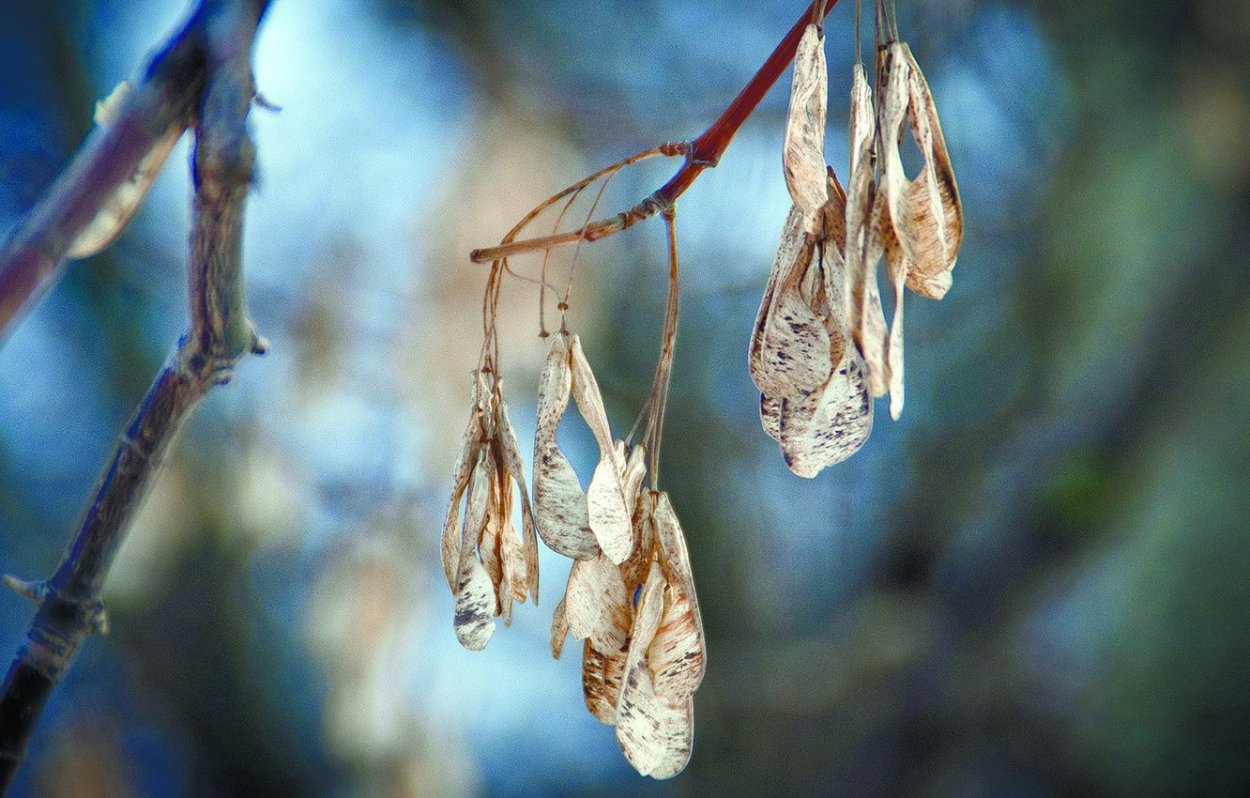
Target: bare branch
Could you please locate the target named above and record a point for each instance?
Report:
(33, 254)
(218, 41)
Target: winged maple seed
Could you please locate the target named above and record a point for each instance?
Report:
(487, 566)
(574, 523)
(642, 658)
(822, 292)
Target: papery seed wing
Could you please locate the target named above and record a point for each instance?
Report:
(894, 105)
(789, 252)
(477, 507)
(862, 120)
(507, 573)
(590, 402)
(554, 385)
(607, 514)
(488, 548)
(803, 150)
(864, 314)
(560, 511)
(827, 427)
(676, 559)
(559, 629)
(466, 459)
(512, 458)
(934, 212)
(513, 584)
(677, 725)
(601, 681)
(655, 734)
(678, 654)
(894, 345)
(560, 507)
(770, 416)
(635, 569)
(635, 470)
(475, 605)
(871, 333)
(119, 208)
(833, 268)
(605, 497)
(795, 352)
(652, 730)
(647, 615)
(596, 603)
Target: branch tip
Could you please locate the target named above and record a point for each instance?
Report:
(99, 620)
(263, 102)
(36, 591)
(260, 344)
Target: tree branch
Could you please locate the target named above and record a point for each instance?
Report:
(219, 39)
(33, 254)
(705, 151)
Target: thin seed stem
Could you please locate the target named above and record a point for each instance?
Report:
(702, 153)
(657, 401)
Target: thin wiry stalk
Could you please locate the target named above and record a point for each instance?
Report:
(657, 401)
(705, 151)
(220, 335)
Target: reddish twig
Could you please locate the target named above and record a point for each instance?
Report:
(704, 152)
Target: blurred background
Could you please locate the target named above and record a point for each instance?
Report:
(1036, 583)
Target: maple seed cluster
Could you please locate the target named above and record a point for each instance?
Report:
(630, 595)
(820, 351)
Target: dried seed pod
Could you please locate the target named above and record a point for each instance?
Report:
(635, 569)
(924, 215)
(476, 605)
(790, 347)
(607, 514)
(654, 731)
(635, 470)
(828, 426)
(864, 313)
(466, 459)
(476, 512)
(511, 573)
(602, 674)
(596, 604)
(529, 542)
(770, 416)
(803, 149)
(560, 510)
(676, 655)
(934, 210)
(559, 629)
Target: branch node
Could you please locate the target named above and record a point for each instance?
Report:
(695, 158)
(97, 619)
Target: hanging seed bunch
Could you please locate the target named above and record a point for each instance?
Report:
(820, 353)
(821, 350)
(630, 597)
